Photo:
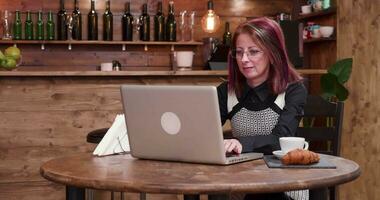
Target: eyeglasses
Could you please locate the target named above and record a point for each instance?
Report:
(251, 53)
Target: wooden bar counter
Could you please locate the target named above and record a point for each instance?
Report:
(47, 114)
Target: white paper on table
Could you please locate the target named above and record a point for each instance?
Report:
(115, 140)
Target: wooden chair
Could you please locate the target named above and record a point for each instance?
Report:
(324, 135)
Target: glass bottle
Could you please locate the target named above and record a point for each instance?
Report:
(61, 22)
(77, 22)
(127, 26)
(17, 26)
(108, 22)
(28, 26)
(171, 27)
(159, 24)
(92, 23)
(6, 26)
(145, 24)
(227, 36)
(39, 27)
(50, 27)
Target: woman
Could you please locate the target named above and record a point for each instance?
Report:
(264, 96)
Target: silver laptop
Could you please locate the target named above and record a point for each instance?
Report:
(176, 123)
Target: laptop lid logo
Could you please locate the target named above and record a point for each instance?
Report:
(170, 123)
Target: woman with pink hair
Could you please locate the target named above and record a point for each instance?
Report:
(264, 95)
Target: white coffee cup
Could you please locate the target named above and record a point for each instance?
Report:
(184, 59)
(291, 143)
(106, 67)
(306, 9)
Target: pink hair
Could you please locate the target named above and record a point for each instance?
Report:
(267, 34)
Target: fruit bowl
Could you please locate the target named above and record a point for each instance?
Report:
(11, 58)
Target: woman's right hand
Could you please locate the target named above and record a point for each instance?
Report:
(233, 145)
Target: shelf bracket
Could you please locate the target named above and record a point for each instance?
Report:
(172, 48)
(43, 47)
(145, 47)
(123, 47)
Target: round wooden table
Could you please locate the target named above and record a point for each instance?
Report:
(124, 173)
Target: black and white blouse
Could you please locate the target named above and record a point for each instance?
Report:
(259, 118)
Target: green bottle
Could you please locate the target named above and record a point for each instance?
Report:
(77, 22)
(28, 26)
(40, 27)
(171, 25)
(17, 27)
(50, 33)
(159, 24)
(145, 24)
(108, 23)
(92, 23)
(127, 25)
(227, 36)
(61, 22)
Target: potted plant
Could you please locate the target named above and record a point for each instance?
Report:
(332, 82)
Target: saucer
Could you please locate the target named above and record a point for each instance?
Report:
(279, 154)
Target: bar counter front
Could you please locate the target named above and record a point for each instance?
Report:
(47, 114)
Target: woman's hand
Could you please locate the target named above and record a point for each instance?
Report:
(232, 145)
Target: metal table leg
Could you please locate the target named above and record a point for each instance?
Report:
(75, 193)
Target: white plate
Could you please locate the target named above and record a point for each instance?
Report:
(279, 154)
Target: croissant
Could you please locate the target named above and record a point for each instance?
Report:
(300, 157)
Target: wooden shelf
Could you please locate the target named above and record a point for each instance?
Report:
(321, 39)
(116, 73)
(99, 42)
(329, 11)
(224, 73)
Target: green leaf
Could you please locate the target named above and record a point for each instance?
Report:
(328, 83)
(332, 88)
(342, 70)
(341, 92)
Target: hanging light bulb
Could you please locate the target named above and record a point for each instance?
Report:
(210, 21)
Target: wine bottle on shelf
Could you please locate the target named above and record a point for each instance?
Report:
(171, 27)
(50, 31)
(145, 24)
(28, 26)
(127, 26)
(92, 23)
(61, 22)
(17, 26)
(77, 22)
(159, 24)
(108, 22)
(227, 36)
(40, 27)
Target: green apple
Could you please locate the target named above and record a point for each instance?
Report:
(8, 63)
(2, 57)
(13, 52)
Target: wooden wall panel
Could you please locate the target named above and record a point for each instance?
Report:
(359, 38)
(44, 118)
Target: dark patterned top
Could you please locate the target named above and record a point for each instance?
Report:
(259, 117)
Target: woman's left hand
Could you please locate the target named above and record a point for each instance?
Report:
(233, 145)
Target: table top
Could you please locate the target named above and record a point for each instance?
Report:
(124, 173)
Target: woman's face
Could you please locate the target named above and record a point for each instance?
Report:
(252, 61)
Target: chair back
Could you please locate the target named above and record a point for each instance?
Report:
(325, 130)
(326, 126)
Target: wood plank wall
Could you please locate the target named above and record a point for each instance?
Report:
(46, 117)
(359, 38)
(92, 56)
